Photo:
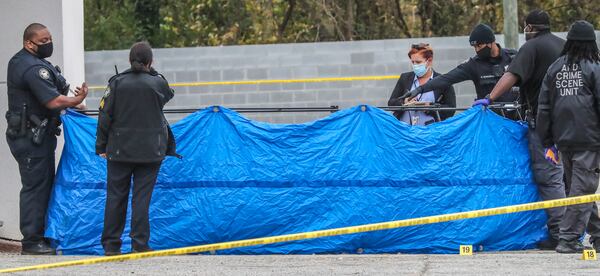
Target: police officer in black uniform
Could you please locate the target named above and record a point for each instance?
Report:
(36, 93)
(484, 69)
(569, 116)
(527, 70)
(134, 136)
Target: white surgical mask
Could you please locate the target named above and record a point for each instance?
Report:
(528, 35)
(420, 69)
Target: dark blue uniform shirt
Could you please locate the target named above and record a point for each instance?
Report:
(33, 81)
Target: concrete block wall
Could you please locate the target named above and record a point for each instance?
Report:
(286, 61)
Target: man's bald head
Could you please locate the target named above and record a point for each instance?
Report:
(32, 30)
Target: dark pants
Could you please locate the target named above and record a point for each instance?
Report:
(37, 170)
(117, 197)
(582, 175)
(549, 180)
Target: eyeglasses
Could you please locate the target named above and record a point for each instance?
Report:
(420, 46)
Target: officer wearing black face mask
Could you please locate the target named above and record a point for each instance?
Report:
(484, 69)
(36, 93)
(528, 70)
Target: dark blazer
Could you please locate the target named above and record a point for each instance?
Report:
(445, 97)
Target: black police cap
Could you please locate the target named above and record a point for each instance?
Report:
(481, 34)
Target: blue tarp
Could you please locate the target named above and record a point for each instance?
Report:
(243, 179)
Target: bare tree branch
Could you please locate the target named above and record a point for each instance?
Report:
(333, 19)
(286, 19)
(399, 19)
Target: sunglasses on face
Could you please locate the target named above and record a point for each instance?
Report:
(420, 46)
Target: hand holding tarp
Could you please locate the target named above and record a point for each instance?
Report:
(483, 102)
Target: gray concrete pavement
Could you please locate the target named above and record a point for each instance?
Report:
(505, 263)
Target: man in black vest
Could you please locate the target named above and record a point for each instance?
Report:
(36, 93)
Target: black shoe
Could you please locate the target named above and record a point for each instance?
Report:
(112, 253)
(142, 250)
(569, 247)
(40, 248)
(549, 244)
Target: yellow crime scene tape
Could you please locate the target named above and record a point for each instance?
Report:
(321, 233)
(208, 83)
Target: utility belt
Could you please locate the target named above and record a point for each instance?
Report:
(34, 126)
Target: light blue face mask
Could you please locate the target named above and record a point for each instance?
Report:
(420, 69)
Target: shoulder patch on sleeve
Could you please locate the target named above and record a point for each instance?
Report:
(44, 73)
(106, 93)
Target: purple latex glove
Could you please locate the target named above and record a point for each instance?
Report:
(551, 155)
(484, 102)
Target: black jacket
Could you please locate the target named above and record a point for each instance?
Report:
(131, 124)
(484, 73)
(532, 63)
(569, 106)
(443, 96)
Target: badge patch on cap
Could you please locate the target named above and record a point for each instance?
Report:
(44, 74)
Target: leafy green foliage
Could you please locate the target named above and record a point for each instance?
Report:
(116, 24)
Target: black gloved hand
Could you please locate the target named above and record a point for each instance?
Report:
(413, 93)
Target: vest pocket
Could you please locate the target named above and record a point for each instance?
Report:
(137, 144)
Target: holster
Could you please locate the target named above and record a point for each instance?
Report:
(40, 129)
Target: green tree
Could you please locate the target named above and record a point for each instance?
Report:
(116, 24)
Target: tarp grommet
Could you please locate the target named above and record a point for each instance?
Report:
(216, 109)
(363, 108)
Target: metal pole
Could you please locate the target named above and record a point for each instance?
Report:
(333, 108)
(511, 23)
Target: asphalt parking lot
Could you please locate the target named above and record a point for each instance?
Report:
(531, 262)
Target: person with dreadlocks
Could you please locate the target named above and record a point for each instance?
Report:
(568, 116)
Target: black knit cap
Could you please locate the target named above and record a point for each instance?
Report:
(538, 17)
(582, 30)
(481, 34)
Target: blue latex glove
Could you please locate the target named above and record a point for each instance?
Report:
(484, 102)
(551, 155)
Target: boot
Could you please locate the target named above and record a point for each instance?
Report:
(41, 248)
(569, 247)
(141, 250)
